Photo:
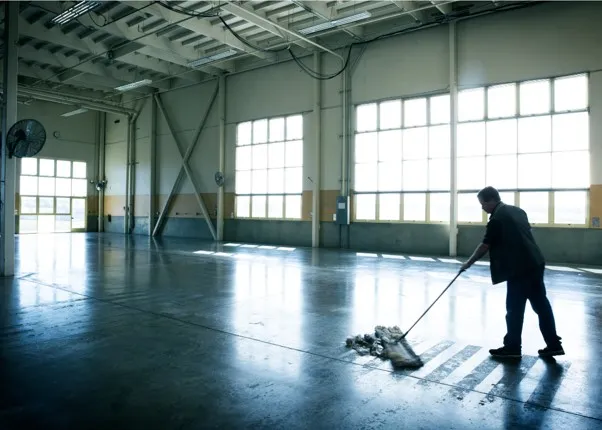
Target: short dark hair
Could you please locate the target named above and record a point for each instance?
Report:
(489, 194)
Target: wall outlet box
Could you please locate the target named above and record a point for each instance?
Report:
(596, 222)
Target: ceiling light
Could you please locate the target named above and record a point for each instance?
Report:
(335, 23)
(75, 112)
(212, 58)
(133, 85)
(76, 11)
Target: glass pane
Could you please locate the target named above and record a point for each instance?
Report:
(29, 166)
(46, 205)
(46, 167)
(46, 186)
(28, 185)
(390, 114)
(63, 187)
(570, 131)
(63, 168)
(502, 171)
(244, 133)
(570, 93)
(501, 137)
(365, 206)
(414, 112)
(366, 147)
(62, 223)
(570, 207)
(79, 169)
(294, 154)
(389, 176)
(389, 146)
(570, 169)
(276, 155)
(501, 101)
(63, 206)
(471, 139)
(275, 207)
(260, 156)
(260, 131)
(28, 224)
(414, 207)
(535, 134)
(294, 127)
(388, 207)
(471, 104)
(440, 109)
(293, 180)
(471, 173)
(534, 171)
(415, 175)
(469, 209)
(508, 197)
(45, 223)
(536, 206)
(243, 182)
(79, 187)
(366, 177)
(534, 97)
(242, 206)
(28, 205)
(439, 174)
(276, 129)
(259, 181)
(276, 181)
(365, 117)
(415, 143)
(258, 206)
(243, 157)
(293, 207)
(439, 207)
(78, 213)
(439, 141)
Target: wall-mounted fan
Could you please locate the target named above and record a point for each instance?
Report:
(25, 138)
(219, 178)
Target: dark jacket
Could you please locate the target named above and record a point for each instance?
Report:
(512, 248)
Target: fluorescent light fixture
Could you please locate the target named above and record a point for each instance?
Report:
(335, 23)
(75, 112)
(212, 58)
(76, 11)
(133, 85)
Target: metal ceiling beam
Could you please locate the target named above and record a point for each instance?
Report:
(412, 8)
(202, 27)
(321, 10)
(444, 8)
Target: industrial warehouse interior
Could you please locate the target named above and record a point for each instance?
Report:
(213, 200)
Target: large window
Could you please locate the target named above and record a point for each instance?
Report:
(530, 140)
(269, 168)
(52, 196)
(402, 160)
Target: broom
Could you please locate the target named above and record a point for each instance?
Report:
(397, 348)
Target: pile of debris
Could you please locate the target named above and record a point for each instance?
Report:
(388, 344)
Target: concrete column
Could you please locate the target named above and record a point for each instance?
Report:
(152, 203)
(102, 146)
(453, 91)
(126, 210)
(315, 219)
(9, 117)
(222, 160)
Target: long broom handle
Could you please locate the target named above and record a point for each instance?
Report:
(429, 308)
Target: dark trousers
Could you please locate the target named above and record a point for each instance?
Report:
(529, 286)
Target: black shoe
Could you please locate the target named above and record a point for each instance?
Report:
(550, 352)
(505, 352)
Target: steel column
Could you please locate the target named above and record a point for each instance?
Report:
(101, 169)
(315, 219)
(153, 167)
(222, 150)
(453, 91)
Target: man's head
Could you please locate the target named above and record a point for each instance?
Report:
(489, 199)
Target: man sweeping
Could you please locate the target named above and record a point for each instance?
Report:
(516, 259)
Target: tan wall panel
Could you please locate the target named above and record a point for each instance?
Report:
(328, 204)
(229, 205)
(114, 205)
(306, 205)
(595, 203)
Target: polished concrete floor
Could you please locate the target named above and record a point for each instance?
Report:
(110, 332)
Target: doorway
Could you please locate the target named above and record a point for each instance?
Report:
(52, 196)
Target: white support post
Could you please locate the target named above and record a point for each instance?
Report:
(453, 91)
(9, 117)
(315, 219)
(185, 167)
(101, 169)
(222, 149)
(126, 208)
(152, 203)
